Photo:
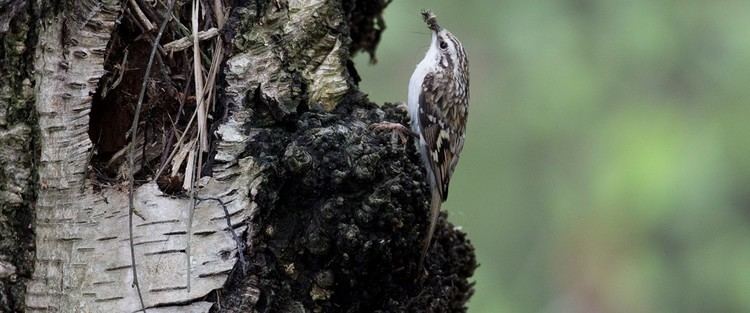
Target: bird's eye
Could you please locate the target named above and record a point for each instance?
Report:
(443, 45)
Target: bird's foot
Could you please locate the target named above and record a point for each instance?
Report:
(396, 129)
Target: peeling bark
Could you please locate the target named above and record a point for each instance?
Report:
(82, 261)
(330, 215)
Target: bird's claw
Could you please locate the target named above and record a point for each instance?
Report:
(396, 129)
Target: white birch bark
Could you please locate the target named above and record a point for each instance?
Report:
(82, 248)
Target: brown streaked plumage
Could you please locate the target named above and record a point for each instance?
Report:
(438, 105)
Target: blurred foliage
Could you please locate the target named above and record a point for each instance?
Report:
(607, 163)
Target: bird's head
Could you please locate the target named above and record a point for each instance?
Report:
(446, 49)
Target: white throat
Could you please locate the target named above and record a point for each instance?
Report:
(427, 64)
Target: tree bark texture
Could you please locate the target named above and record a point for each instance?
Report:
(329, 215)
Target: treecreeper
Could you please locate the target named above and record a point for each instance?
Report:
(438, 103)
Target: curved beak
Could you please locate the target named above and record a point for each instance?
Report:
(431, 20)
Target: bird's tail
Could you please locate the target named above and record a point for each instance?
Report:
(434, 213)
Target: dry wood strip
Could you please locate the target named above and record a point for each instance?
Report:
(187, 42)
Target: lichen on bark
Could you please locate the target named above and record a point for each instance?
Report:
(299, 51)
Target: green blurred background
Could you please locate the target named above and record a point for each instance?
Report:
(607, 162)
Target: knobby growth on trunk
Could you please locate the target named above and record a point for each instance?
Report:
(258, 186)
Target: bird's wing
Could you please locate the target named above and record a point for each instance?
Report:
(442, 119)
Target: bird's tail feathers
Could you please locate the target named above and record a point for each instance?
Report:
(435, 203)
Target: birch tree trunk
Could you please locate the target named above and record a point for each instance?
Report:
(300, 208)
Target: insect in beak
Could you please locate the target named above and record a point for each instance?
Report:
(431, 20)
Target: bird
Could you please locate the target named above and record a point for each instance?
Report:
(438, 104)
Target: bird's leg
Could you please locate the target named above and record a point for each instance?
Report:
(395, 128)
